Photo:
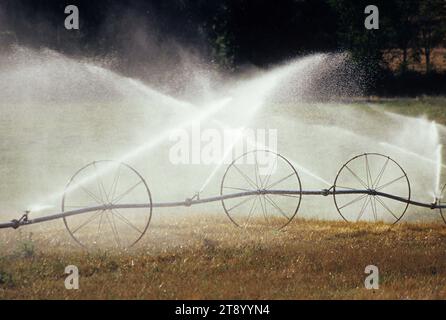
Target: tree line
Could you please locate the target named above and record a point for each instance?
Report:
(235, 33)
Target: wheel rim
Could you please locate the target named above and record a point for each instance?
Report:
(259, 171)
(102, 183)
(373, 172)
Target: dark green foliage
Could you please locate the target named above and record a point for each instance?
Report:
(233, 33)
(412, 27)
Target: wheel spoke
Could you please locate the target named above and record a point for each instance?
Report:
(256, 172)
(348, 188)
(234, 188)
(70, 206)
(373, 205)
(366, 202)
(386, 207)
(125, 220)
(369, 174)
(114, 185)
(254, 204)
(380, 175)
(281, 180)
(100, 184)
(92, 195)
(267, 178)
(126, 192)
(114, 231)
(265, 204)
(288, 195)
(99, 227)
(276, 206)
(263, 208)
(359, 198)
(93, 217)
(242, 202)
(390, 183)
(253, 185)
(356, 176)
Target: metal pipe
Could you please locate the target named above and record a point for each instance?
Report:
(190, 202)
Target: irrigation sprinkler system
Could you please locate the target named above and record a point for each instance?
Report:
(259, 183)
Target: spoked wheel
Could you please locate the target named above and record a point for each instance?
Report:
(254, 175)
(442, 202)
(124, 200)
(371, 173)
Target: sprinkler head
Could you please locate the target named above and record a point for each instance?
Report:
(25, 216)
(435, 204)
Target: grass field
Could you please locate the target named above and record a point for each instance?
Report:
(208, 258)
(434, 108)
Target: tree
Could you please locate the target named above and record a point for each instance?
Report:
(431, 27)
(404, 28)
(366, 46)
(219, 32)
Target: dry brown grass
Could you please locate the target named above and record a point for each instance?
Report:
(192, 257)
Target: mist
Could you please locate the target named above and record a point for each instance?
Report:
(59, 113)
